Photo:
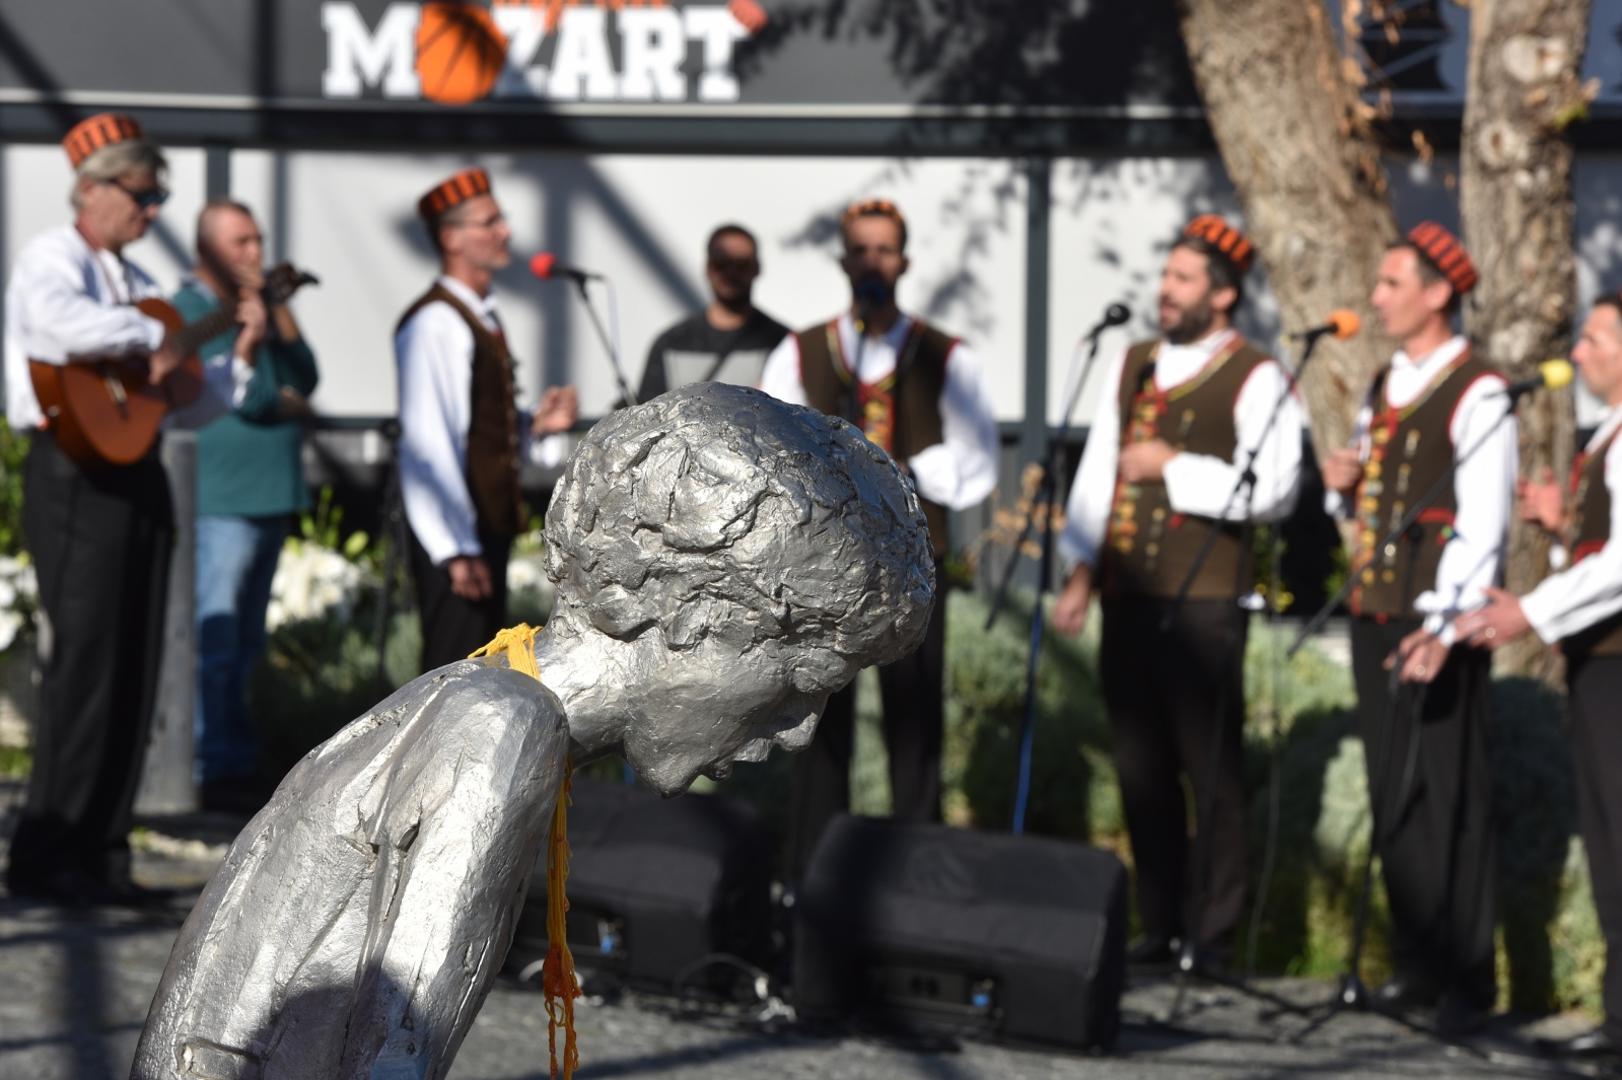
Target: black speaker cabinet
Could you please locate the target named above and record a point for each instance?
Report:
(934, 929)
(658, 888)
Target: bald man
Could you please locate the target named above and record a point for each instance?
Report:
(250, 482)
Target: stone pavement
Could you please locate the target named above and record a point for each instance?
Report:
(74, 989)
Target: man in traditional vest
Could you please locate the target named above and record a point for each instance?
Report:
(1167, 445)
(918, 393)
(1580, 610)
(1434, 405)
(462, 436)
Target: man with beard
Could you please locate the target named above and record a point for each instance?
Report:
(1421, 692)
(918, 393)
(730, 339)
(1167, 445)
(1580, 610)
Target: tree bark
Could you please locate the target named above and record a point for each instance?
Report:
(1519, 226)
(1293, 135)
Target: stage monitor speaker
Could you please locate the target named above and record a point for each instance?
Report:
(658, 888)
(940, 930)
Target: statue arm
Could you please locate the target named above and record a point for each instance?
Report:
(456, 839)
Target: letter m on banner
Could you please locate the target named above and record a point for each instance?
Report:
(358, 57)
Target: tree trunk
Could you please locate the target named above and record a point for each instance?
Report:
(1293, 134)
(1518, 216)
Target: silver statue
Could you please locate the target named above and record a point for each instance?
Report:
(723, 563)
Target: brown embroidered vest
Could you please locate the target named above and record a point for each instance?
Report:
(900, 412)
(1410, 450)
(1148, 547)
(492, 436)
(1590, 529)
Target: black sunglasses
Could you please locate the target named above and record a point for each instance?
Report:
(147, 198)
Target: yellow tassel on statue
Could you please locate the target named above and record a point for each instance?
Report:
(558, 982)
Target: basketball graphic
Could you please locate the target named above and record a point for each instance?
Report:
(460, 51)
(750, 14)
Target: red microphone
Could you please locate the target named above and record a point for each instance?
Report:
(546, 266)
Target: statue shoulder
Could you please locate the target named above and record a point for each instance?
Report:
(491, 705)
(468, 709)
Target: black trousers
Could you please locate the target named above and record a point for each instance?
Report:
(100, 539)
(913, 693)
(1175, 698)
(1595, 685)
(451, 626)
(1432, 820)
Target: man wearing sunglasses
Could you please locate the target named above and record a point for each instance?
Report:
(730, 339)
(99, 534)
(462, 437)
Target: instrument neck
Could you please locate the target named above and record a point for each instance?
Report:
(189, 337)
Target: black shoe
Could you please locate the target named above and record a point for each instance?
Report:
(1153, 950)
(1458, 1015)
(1203, 961)
(1595, 1045)
(1403, 992)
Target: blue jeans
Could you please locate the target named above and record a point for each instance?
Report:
(236, 560)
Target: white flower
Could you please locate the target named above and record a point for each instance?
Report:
(19, 596)
(526, 574)
(312, 582)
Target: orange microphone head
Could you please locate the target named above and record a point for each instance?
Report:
(1344, 323)
(541, 265)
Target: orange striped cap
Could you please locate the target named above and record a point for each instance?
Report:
(1225, 238)
(1443, 251)
(103, 129)
(465, 185)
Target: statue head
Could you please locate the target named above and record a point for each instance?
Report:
(726, 562)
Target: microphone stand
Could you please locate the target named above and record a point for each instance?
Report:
(1351, 993)
(1189, 961)
(1400, 529)
(602, 333)
(392, 528)
(1244, 485)
(1041, 507)
(1242, 494)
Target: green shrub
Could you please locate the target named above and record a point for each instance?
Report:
(13, 452)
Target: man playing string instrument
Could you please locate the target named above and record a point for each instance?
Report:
(99, 533)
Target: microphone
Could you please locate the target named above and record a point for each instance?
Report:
(868, 294)
(546, 267)
(1554, 374)
(1341, 324)
(1114, 315)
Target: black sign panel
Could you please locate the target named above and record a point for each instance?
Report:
(784, 75)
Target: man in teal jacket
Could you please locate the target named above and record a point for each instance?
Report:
(250, 481)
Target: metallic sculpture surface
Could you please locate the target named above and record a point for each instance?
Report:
(723, 563)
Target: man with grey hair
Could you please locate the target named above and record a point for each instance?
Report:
(99, 533)
(723, 563)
